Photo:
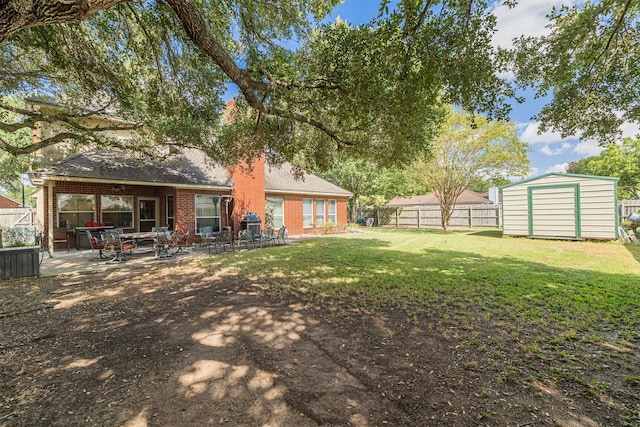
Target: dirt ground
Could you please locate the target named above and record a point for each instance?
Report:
(180, 346)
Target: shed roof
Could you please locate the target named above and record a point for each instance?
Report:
(467, 197)
(535, 178)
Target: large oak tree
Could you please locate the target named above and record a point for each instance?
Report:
(306, 89)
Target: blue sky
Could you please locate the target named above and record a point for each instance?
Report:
(550, 152)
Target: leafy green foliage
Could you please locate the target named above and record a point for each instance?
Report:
(13, 168)
(588, 64)
(309, 93)
(370, 184)
(471, 149)
(621, 160)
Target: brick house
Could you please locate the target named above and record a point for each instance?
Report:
(191, 192)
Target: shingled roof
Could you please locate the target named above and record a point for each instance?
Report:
(115, 166)
(282, 179)
(190, 169)
(467, 197)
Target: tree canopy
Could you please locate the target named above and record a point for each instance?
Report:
(621, 160)
(588, 64)
(470, 149)
(307, 89)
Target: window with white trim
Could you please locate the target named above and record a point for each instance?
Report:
(307, 213)
(332, 212)
(117, 210)
(275, 208)
(208, 212)
(75, 210)
(319, 212)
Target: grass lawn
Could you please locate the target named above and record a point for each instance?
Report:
(476, 275)
(560, 311)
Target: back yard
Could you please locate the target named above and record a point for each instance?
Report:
(383, 327)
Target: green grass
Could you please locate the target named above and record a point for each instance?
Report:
(572, 285)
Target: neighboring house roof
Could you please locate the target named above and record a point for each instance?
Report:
(190, 169)
(7, 203)
(467, 197)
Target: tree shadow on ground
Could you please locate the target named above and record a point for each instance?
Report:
(207, 343)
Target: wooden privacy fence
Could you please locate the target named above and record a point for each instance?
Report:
(463, 215)
(13, 217)
(627, 207)
(429, 216)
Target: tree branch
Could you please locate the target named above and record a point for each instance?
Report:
(198, 31)
(16, 15)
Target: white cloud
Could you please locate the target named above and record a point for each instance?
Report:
(526, 18)
(587, 148)
(551, 151)
(529, 134)
(560, 167)
(533, 172)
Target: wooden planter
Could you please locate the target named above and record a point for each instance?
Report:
(19, 262)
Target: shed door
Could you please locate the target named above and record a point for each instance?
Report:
(554, 210)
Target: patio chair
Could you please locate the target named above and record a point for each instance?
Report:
(95, 245)
(246, 237)
(222, 240)
(113, 243)
(184, 240)
(267, 237)
(61, 235)
(162, 241)
(282, 235)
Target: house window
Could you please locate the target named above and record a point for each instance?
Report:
(319, 212)
(275, 208)
(307, 213)
(332, 214)
(76, 210)
(208, 213)
(117, 211)
(170, 213)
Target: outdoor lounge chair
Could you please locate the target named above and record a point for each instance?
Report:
(95, 245)
(112, 242)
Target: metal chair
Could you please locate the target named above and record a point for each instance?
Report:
(112, 242)
(161, 242)
(282, 235)
(95, 245)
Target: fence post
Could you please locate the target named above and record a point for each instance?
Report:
(470, 216)
(418, 216)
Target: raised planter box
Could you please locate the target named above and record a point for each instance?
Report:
(19, 262)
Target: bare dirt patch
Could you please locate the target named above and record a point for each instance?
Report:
(171, 346)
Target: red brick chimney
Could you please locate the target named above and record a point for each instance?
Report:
(248, 183)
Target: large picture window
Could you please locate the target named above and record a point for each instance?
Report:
(208, 212)
(75, 210)
(275, 208)
(332, 212)
(117, 211)
(319, 212)
(307, 213)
